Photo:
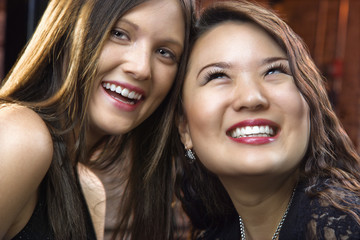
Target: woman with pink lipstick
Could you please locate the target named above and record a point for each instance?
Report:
(265, 156)
(92, 90)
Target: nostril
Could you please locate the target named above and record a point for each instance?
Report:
(139, 74)
(251, 107)
(250, 100)
(257, 107)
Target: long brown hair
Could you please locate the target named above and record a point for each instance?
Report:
(54, 76)
(146, 210)
(330, 155)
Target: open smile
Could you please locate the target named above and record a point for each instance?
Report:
(122, 94)
(252, 131)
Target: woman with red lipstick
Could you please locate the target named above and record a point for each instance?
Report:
(92, 90)
(266, 157)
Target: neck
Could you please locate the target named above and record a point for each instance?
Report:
(91, 140)
(93, 137)
(261, 202)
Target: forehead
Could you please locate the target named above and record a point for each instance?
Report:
(158, 19)
(234, 41)
(156, 10)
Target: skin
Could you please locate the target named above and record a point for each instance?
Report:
(95, 196)
(23, 164)
(142, 53)
(245, 80)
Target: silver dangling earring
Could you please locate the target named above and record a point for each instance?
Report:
(190, 155)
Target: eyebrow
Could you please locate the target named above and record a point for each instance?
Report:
(136, 27)
(128, 22)
(217, 64)
(226, 65)
(273, 59)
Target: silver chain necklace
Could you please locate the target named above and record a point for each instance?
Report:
(242, 226)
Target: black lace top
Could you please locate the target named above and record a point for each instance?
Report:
(306, 219)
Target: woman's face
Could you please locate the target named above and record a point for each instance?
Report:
(244, 114)
(137, 67)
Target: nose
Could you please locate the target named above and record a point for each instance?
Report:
(138, 62)
(249, 95)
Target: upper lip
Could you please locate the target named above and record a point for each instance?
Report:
(252, 123)
(125, 89)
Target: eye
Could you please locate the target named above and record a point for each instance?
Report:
(277, 68)
(119, 34)
(165, 53)
(215, 74)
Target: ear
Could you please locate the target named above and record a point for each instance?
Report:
(184, 132)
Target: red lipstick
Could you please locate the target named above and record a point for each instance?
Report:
(120, 101)
(244, 131)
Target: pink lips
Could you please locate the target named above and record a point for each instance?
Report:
(123, 105)
(255, 140)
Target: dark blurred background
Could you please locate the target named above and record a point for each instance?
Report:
(330, 28)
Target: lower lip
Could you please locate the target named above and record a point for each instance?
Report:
(121, 105)
(254, 140)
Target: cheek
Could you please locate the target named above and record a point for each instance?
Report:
(299, 121)
(204, 114)
(304, 118)
(299, 109)
(291, 101)
(163, 78)
(295, 119)
(109, 58)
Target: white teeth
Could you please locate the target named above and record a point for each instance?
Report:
(256, 130)
(262, 129)
(248, 130)
(237, 132)
(125, 92)
(122, 91)
(131, 95)
(271, 131)
(252, 131)
(267, 129)
(118, 89)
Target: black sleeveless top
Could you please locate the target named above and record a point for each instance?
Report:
(38, 226)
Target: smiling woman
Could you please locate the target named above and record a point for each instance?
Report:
(92, 89)
(246, 86)
(267, 157)
(140, 58)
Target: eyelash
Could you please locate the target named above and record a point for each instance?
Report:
(115, 34)
(278, 67)
(170, 53)
(213, 74)
(220, 73)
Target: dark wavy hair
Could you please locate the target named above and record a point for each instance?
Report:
(330, 154)
(54, 76)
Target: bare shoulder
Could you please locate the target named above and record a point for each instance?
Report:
(95, 196)
(24, 131)
(26, 151)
